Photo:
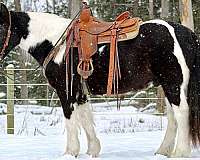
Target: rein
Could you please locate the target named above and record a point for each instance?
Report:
(5, 45)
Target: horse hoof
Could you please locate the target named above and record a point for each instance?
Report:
(165, 151)
(94, 148)
(180, 154)
(71, 153)
(161, 153)
(92, 154)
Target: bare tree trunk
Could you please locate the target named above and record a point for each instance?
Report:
(160, 102)
(151, 16)
(17, 5)
(165, 8)
(35, 5)
(186, 13)
(74, 7)
(5, 2)
(54, 8)
(47, 3)
(23, 79)
(135, 8)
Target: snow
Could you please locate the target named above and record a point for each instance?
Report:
(125, 134)
(137, 146)
(114, 146)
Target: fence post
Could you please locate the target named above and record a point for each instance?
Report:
(160, 101)
(10, 101)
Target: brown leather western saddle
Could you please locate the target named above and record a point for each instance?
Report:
(90, 31)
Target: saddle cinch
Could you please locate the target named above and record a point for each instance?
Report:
(92, 31)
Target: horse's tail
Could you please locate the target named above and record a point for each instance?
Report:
(194, 94)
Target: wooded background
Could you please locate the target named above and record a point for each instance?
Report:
(181, 11)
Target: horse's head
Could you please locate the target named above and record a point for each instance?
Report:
(5, 30)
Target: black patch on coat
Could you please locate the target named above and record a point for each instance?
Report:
(148, 57)
(41, 50)
(20, 23)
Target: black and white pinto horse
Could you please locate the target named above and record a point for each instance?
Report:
(165, 53)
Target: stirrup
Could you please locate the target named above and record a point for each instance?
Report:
(85, 73)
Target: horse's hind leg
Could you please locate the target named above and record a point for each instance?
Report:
(181, 112)
(168, 143)
(86, 119)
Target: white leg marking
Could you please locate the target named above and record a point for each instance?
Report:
(81, 116)
(73, 145)
(87, 122)
(182, 147)
(168, 143)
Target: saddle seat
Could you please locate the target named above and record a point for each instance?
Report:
(127, 27)
(90, 31)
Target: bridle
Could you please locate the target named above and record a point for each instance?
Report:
(5, 45)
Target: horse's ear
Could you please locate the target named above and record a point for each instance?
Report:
(4, 14)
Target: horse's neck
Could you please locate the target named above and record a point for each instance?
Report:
(43, 28)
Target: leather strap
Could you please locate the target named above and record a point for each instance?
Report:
(112, 60)
(114, 70)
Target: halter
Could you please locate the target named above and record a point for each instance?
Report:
(5, 45)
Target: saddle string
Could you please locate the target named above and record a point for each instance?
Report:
(72, 68)
(68, 46)
(117, 73)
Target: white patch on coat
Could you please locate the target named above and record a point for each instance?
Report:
(182, 146)
(59, 57)
(44, 26)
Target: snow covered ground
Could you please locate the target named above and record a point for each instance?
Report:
(124, 134)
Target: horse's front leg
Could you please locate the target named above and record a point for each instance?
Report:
(73, 144)
(71, 125)
(87, 122)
